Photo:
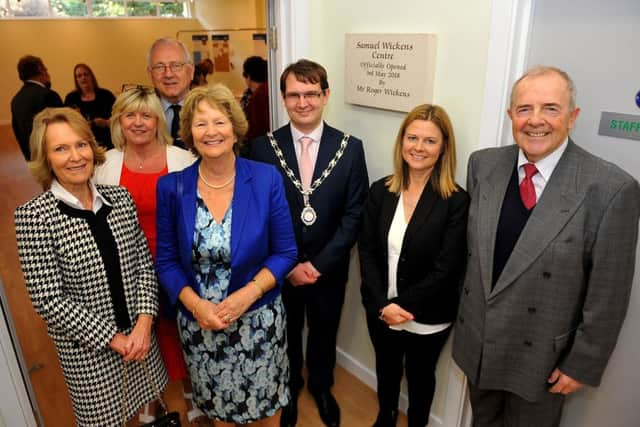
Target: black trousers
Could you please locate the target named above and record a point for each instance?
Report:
(320, 304)
(398, 351)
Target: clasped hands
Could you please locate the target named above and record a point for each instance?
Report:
(137, 344)
(220, 316)
(302, 274)
(393, 314)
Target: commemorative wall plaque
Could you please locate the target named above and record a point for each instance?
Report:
(390, 71)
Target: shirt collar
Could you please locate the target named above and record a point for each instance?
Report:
(166, 104)
(65, 196)
(547, 164)
(36, 82)
(315, 134)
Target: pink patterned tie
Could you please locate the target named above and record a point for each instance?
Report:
(306, 164)
(527, 190)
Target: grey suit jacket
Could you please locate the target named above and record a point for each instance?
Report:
(563, 294)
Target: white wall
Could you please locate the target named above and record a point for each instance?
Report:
(462, 29)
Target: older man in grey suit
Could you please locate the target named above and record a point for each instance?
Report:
(552, 237)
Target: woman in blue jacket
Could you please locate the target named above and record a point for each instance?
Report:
(225, 243)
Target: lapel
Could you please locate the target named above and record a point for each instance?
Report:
(427, 200)
(285, 142)
(561, 198)
(187, 187)
(240, 204)
(490, 197)
(329, 144)
(387, 211)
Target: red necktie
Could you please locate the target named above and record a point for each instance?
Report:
(527, 190)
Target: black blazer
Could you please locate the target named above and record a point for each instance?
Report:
(432, 259)
(338, 202)
(29, 101)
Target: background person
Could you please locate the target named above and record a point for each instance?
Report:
(171, 71)
(142, 155)
(89, 272)
(199, 77)
(34, 96)
(225, 243)
(93, 102)
(552, 240)
(254, 71)
(412, 252)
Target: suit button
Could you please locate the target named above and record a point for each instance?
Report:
(531, 310)
(546, 275)
(528, 343)
(466, 290)
(461, 319)
(402, 259)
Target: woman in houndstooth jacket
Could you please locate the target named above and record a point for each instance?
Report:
(89, 273)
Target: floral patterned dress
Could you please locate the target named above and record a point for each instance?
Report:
(239, 374)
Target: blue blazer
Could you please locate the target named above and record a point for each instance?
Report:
(261, 229)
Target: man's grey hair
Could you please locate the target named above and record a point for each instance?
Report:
(168, 41)
(540, 70)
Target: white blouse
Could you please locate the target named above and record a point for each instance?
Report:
(394, 248)
(66, 197)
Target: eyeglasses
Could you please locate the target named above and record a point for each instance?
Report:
(307, 96)
(161, 68)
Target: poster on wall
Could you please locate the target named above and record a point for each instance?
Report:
(221, 54)
(390, 71)
(200, 49)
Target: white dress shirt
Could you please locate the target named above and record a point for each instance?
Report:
(65, 196)
(545, 168)
(315, 135)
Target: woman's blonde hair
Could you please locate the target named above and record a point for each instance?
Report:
(39, 165)
(143, 99)
(218, 96)
(443, 176)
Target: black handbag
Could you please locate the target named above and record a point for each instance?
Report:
(169, 419)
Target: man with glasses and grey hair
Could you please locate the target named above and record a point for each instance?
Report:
(552, 235)
(171, 71)
(326, 183)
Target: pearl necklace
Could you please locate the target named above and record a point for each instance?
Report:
(215, 187)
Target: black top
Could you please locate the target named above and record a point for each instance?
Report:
(108, 249)
(29, 101)
(432, 259)
(100, 107)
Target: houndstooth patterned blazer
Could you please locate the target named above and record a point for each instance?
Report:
(67, 283)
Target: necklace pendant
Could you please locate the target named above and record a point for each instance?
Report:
(308, 215)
